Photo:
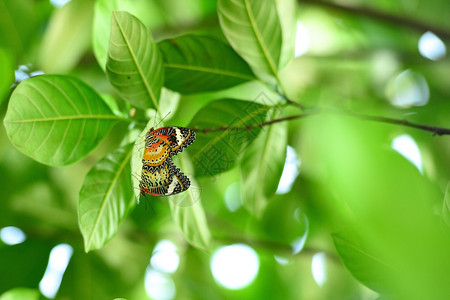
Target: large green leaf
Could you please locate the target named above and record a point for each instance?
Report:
(363, 261)
(253, 29)
(134, 63)
(194, 64)
(105, 198)
(262, 165)
(103, 10)
(217, 150)
(57, 120)
(385, 199)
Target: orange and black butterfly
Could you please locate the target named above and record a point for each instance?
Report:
(159, 175)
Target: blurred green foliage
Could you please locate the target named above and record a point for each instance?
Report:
(381, 223)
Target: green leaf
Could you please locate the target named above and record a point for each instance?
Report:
(262, 165)
(20, 293)
(194, 64)
(217, 150)
(101, 28)
(147, 11)
(288, 10)
(57, 120)
(105, 198)
(253, 29)
(446, 207)
(134, 64)
(188, 212)
(66, 37)
(362, 261)
(6, 73)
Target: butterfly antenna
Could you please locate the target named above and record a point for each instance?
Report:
(149, 203)
(162, 119)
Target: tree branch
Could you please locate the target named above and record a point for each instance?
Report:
(367, 12)
(402, 122)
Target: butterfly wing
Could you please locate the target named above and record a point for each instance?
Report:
(157, 147)
(159, 176)
(164, 180)
(180, 139)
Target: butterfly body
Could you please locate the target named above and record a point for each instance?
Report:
(159, 175)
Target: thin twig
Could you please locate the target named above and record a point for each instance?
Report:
(402, 122)
(375, 14)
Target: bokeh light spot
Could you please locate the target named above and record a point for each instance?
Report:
(302, 40)
(11, 235)
(235, 266)
(165, 257)
(158, 285)
(318, 268)
(57, 264)
(408, 89)
(233, 197)
(406, 146)
(290, 171)
(431, 46)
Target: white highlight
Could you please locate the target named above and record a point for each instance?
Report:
(235, 266)
(299, 243)
(406, 146)
(165, 257)
(318, 268)
(281, 260)
(59, 3)
(431, 46)
(11, 235)
(57, 264)
(290, 171)
(302, 40)
(158, 285)
(409, 89)
(233, 197)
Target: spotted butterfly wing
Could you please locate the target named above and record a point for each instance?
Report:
(166, 142)
(159, 176)
(165, 181)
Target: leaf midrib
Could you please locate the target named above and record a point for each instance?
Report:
(105, 198)
(209, 70)
(259, 38)
(144, 79)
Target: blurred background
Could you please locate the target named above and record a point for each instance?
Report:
(383, 58)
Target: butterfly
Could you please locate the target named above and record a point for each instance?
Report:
(159, 175)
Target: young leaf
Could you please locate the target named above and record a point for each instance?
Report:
(262, 165)
(253, 29)
(134, 63)
(57, 120)
(216, 151)
(194, 64)
(105, 198)
(187, 210)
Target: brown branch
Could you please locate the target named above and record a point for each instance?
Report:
(402, 122)
(375, 14)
